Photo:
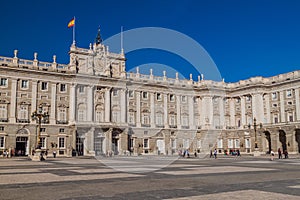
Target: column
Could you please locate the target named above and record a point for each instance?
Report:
(152, 110)
(123, 105)
(166, 123)
(12, 116)
(107, 104)
(90, 106)
(34, 98)
(72, 103)
(191, 112)
(243, 111)
(221, 110)
(203, 112)
(297, 104)
(210, 109)
(53, 104)
(232, 112)
(268, 108)
(138, 108)
(178, 109)
(258, 107)
(282, 110)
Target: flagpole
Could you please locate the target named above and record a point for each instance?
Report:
(74, 31)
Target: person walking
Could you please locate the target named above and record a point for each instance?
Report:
(215, 153)
(279, 153)
(272, 154)
(286, 154)
(54, 153)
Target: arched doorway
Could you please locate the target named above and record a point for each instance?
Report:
(297, 138)
(268, 141)
(115, 141)
(22, 143)
(282, 139)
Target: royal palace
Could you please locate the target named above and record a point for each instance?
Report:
(93, 106)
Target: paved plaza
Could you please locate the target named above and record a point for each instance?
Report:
(150, 177)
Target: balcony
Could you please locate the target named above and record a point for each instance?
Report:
(185, 127)
(160, 126)
(173, 126)
(23, 121)
(62, 122)
(146, 125)
(3, 120)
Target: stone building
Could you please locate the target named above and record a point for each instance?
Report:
(95, 107)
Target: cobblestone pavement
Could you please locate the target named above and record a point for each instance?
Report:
(150, 178)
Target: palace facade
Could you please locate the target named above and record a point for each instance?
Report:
(95, 107)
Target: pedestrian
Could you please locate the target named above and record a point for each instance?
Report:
(272, 154)
(286, 154)
(54, 153)
(215, 153)
(211, 154)
(279, 154)
(238, 152)
(195, 154)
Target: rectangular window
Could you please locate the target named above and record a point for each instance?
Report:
(172, 97)
(131, 94)
(159, 119)
(199, 144)
(145, 119)
(230, 143)
(173, 143)
(146, 143)
(158, 96)
(131, 118)
(237, 143)
(43, 142)
(1, 142)
(288, 93)
(184, 120)
(145, 95)
(3, 82)
(275, 119)
(186, 143)
(62, 87)
(274, 95)
(1, 128)
(172, 120)
(220, 143)
(44, 86)
(183, 99)
(42, 129)
(61, 143)
(61, 130)
(81, 89)
(247, 143)
(24, 84)
(115, 93)
(291, 119)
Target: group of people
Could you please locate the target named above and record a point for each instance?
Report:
(286, 155)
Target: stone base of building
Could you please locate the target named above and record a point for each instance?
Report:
(256, 153)
(38, 155)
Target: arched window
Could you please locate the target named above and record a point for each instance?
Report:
(3, 111)
(81, 112)
(99, 114)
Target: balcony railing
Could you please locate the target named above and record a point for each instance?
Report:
(61, 121)
(3, 120)
(23, 121)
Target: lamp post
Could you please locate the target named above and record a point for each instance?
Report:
(38, 116)
(255, 128)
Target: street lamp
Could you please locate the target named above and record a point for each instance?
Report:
(254, 127)
(38, 116)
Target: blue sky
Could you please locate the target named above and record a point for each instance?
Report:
(244, 38)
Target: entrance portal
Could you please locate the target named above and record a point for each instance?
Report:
(282, 139)
(297, 135)
(21, 146)
(268, 138)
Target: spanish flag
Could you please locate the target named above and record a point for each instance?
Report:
(71, 23)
